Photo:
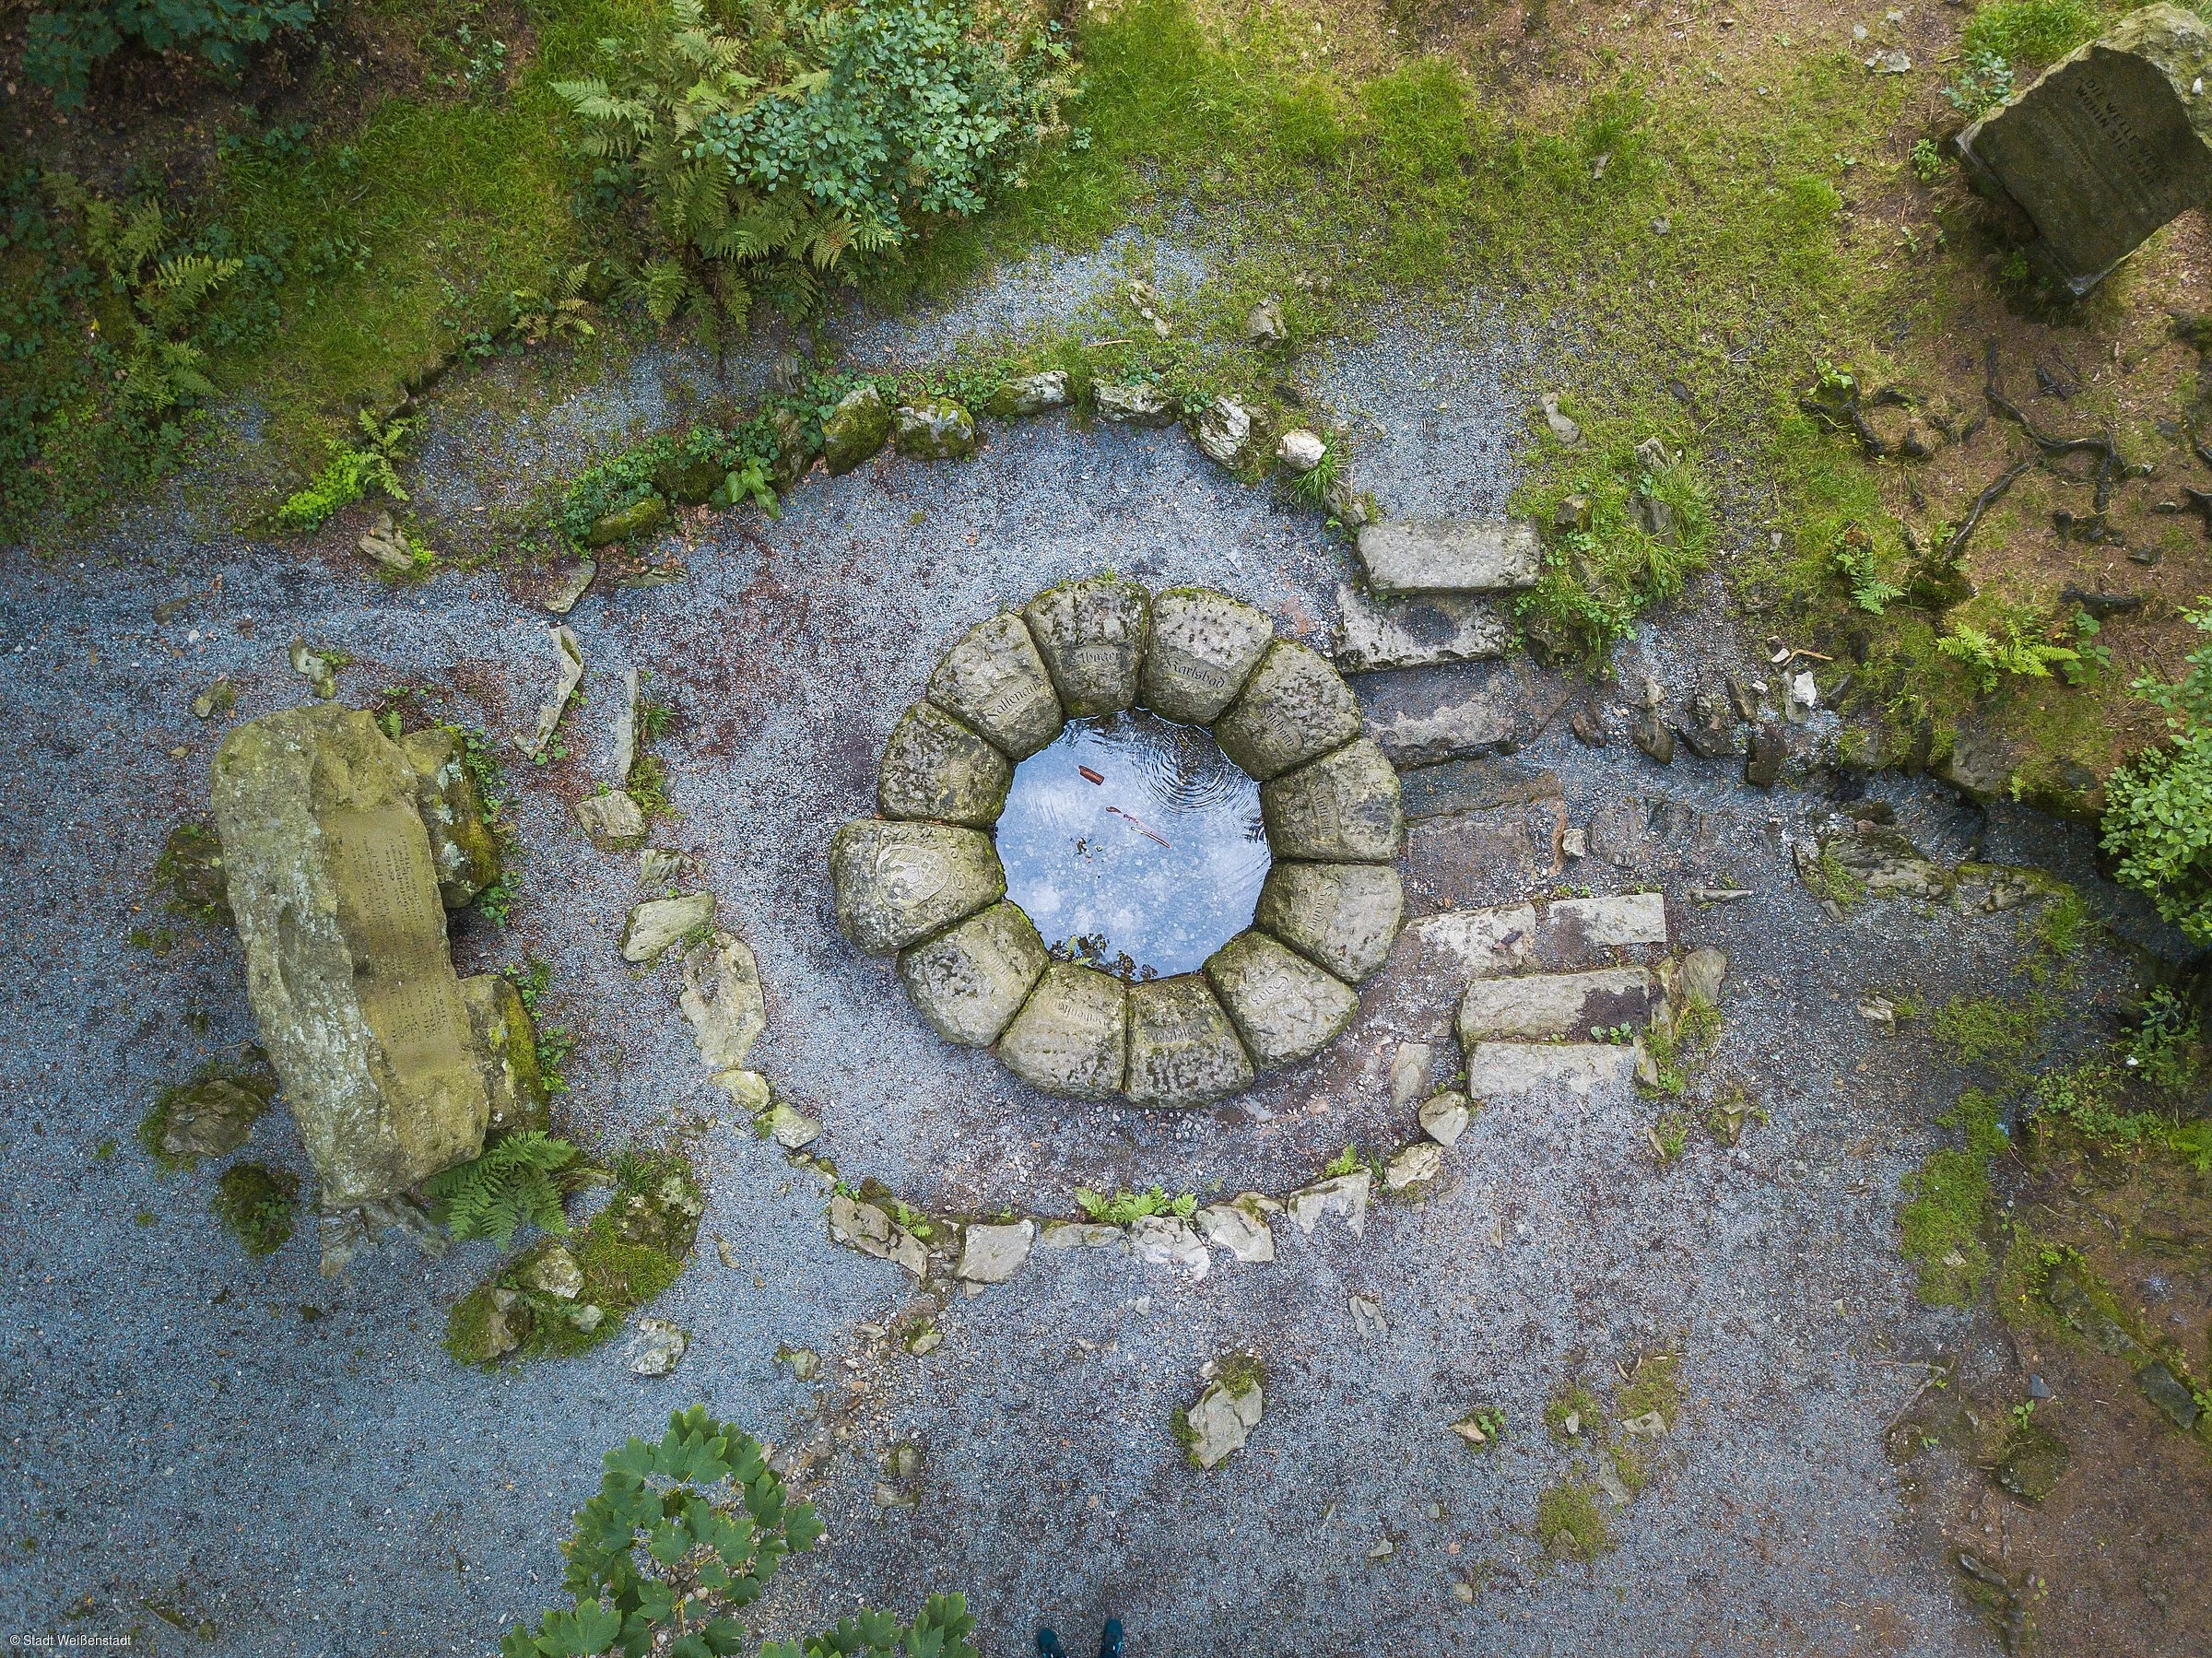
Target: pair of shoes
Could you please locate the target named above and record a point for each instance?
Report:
(1109, 1644)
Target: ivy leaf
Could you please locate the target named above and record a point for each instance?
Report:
(670, 1541)
(724, 1636)
(803, 1527)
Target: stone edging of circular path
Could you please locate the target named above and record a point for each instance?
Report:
(922, 880)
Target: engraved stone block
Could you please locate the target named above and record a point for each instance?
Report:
(934, 766)
(1071, 1035)
(334, 887)
(969, 982)
(1205, 645)
(994, 680)
(1182, 1049)
(1342, 916)
(1091, 635)
(1284, 1006)
(1535, 1006)
(2108, 145)
(1340, 808)
(1418, 631)
(1295, 708)
(897, 883)
(1450, 555)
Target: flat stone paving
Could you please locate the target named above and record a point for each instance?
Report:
(165, 1385)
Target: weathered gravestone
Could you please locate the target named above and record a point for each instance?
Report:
(393, 1064)
(2107, 147)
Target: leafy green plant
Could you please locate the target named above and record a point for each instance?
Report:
(256, 1203)
(2166, 1049)
(1928, 163)
(1854, 558)
(1669, 1136)
(352, 470)
(686, 1532)
(1984, 81)
(1345, 1162)
(2158, 814)
(1649, 528)
(492, 1195)
(763, 158)
(62, 45)
(554, 311)
(161, 369)
(2020, 651)
(1123, 1208)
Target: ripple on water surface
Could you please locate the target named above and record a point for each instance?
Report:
(1132, 836)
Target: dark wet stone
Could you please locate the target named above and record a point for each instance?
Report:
(1071, 1035)
(1762, 762)
(897, 883)
(1205, 645)
(1655, 736)
(2169, 1393)
(993, 679)
(1343, 917)
(969, 982)
(1284, 1006)
(1587, 728)
(937, 768)
(1342, 808)
(1091, 635)
(1183, 1048)
(1296, 708)
(2033, 1461)
(1473, 785)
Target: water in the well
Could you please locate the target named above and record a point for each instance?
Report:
(1134, 844)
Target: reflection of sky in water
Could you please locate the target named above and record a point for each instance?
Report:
(1079, 861)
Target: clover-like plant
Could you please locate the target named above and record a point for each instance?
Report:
(687, 1532)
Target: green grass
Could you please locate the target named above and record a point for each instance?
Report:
(256, 1205)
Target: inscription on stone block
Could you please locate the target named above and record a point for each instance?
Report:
(2107, 147)
(387, 888)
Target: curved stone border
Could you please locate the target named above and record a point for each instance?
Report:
(922, 880)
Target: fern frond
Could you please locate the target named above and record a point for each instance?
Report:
(510, 1185)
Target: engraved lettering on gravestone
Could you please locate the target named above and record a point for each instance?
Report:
(1016, 697)
(1178, 666)
(2106, 147)
(380, 862)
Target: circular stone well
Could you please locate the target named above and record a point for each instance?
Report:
(923, 879)
(1134, 844)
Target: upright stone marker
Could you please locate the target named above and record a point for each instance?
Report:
(2107, 147)
(335, 890)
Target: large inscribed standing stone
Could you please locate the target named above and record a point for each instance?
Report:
(2107, 147)
(334, 887)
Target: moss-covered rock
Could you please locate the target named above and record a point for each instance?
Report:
(462, 844)
(856, 431)
(636, 519)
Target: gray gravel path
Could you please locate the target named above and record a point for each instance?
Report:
(296, 1461)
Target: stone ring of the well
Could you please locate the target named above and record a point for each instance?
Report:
(923, 880)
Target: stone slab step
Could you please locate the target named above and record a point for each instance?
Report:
(1417, 632)
(1497, 1070)
(1542, 1005)
(1450, 555)
(1499, 939)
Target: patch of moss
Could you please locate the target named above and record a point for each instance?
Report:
(1655, 1385)
(1579, 1406)
(1991, 1033)
(1940, 1225)
(628, 1254)
(1570, 1520)
(256, 1203)
(188, 876)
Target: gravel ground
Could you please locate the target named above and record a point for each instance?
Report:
(296, 1461)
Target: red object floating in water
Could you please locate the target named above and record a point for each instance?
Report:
(1090, 775)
